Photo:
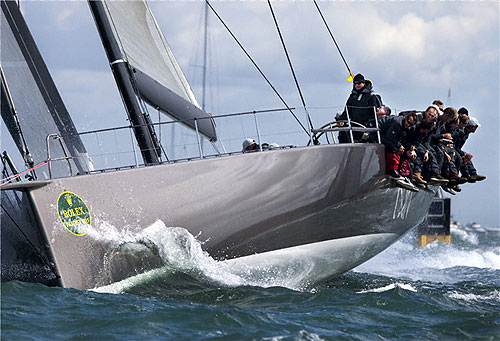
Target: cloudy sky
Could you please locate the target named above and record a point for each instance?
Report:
(413, 51)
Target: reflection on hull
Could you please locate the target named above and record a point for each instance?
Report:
(24, 255)
(317, 261)
(333, 198)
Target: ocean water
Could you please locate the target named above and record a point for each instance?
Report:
(439, 292)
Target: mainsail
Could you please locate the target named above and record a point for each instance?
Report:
(158, 77)
(31, 104)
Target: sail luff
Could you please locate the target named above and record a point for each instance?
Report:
(9, 115)
(148, 54)
(178, 71)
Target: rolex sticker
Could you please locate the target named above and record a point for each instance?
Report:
(74, 213)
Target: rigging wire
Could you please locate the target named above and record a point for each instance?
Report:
(286, 53)
(290, 63)
(6, 180)
(333, 38)
(256, 66)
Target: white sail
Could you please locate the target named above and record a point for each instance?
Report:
(158, 77)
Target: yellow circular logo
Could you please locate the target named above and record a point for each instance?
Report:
(73, 213)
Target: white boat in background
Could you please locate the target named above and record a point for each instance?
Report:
(475, 227)
(329, 204)
(468, 227)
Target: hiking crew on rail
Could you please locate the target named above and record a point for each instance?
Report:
(421, 147)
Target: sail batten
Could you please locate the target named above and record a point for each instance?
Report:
(156, 72)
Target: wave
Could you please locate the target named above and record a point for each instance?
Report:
(466, 236)
(181, 252)
(436, 261)
(469, 297)
(391, 286)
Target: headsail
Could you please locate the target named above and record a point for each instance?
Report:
(31, 104)
(158, 77)
(9, 117)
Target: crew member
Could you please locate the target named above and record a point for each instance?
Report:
(360, 106)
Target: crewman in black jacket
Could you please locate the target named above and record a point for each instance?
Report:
(468, 170)
(392, 130)
(419, 137)
(360, 106)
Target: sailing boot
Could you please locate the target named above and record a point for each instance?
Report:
(413, 188)
(419, 186)
(394, 174)
(406, 184)
(477, 177)
(418, 179)
(436, 179)
(453, 178)
(448, 190)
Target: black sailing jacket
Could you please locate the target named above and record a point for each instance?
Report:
(361, 103)
(459, 138)
(419, 140)
(392, 132)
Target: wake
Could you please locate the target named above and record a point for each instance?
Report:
(436, 261)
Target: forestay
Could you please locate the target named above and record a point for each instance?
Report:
(158, 77)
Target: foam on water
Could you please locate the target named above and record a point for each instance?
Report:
(472, 238)
(182, 252)
(405, 260)
(390, 287)
(493, 296)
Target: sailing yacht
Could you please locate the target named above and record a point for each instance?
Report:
(329, 204)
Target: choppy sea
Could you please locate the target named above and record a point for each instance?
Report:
(438, 292)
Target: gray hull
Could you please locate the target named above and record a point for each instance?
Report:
(245, 208)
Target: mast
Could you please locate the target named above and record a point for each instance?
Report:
(123, 78)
